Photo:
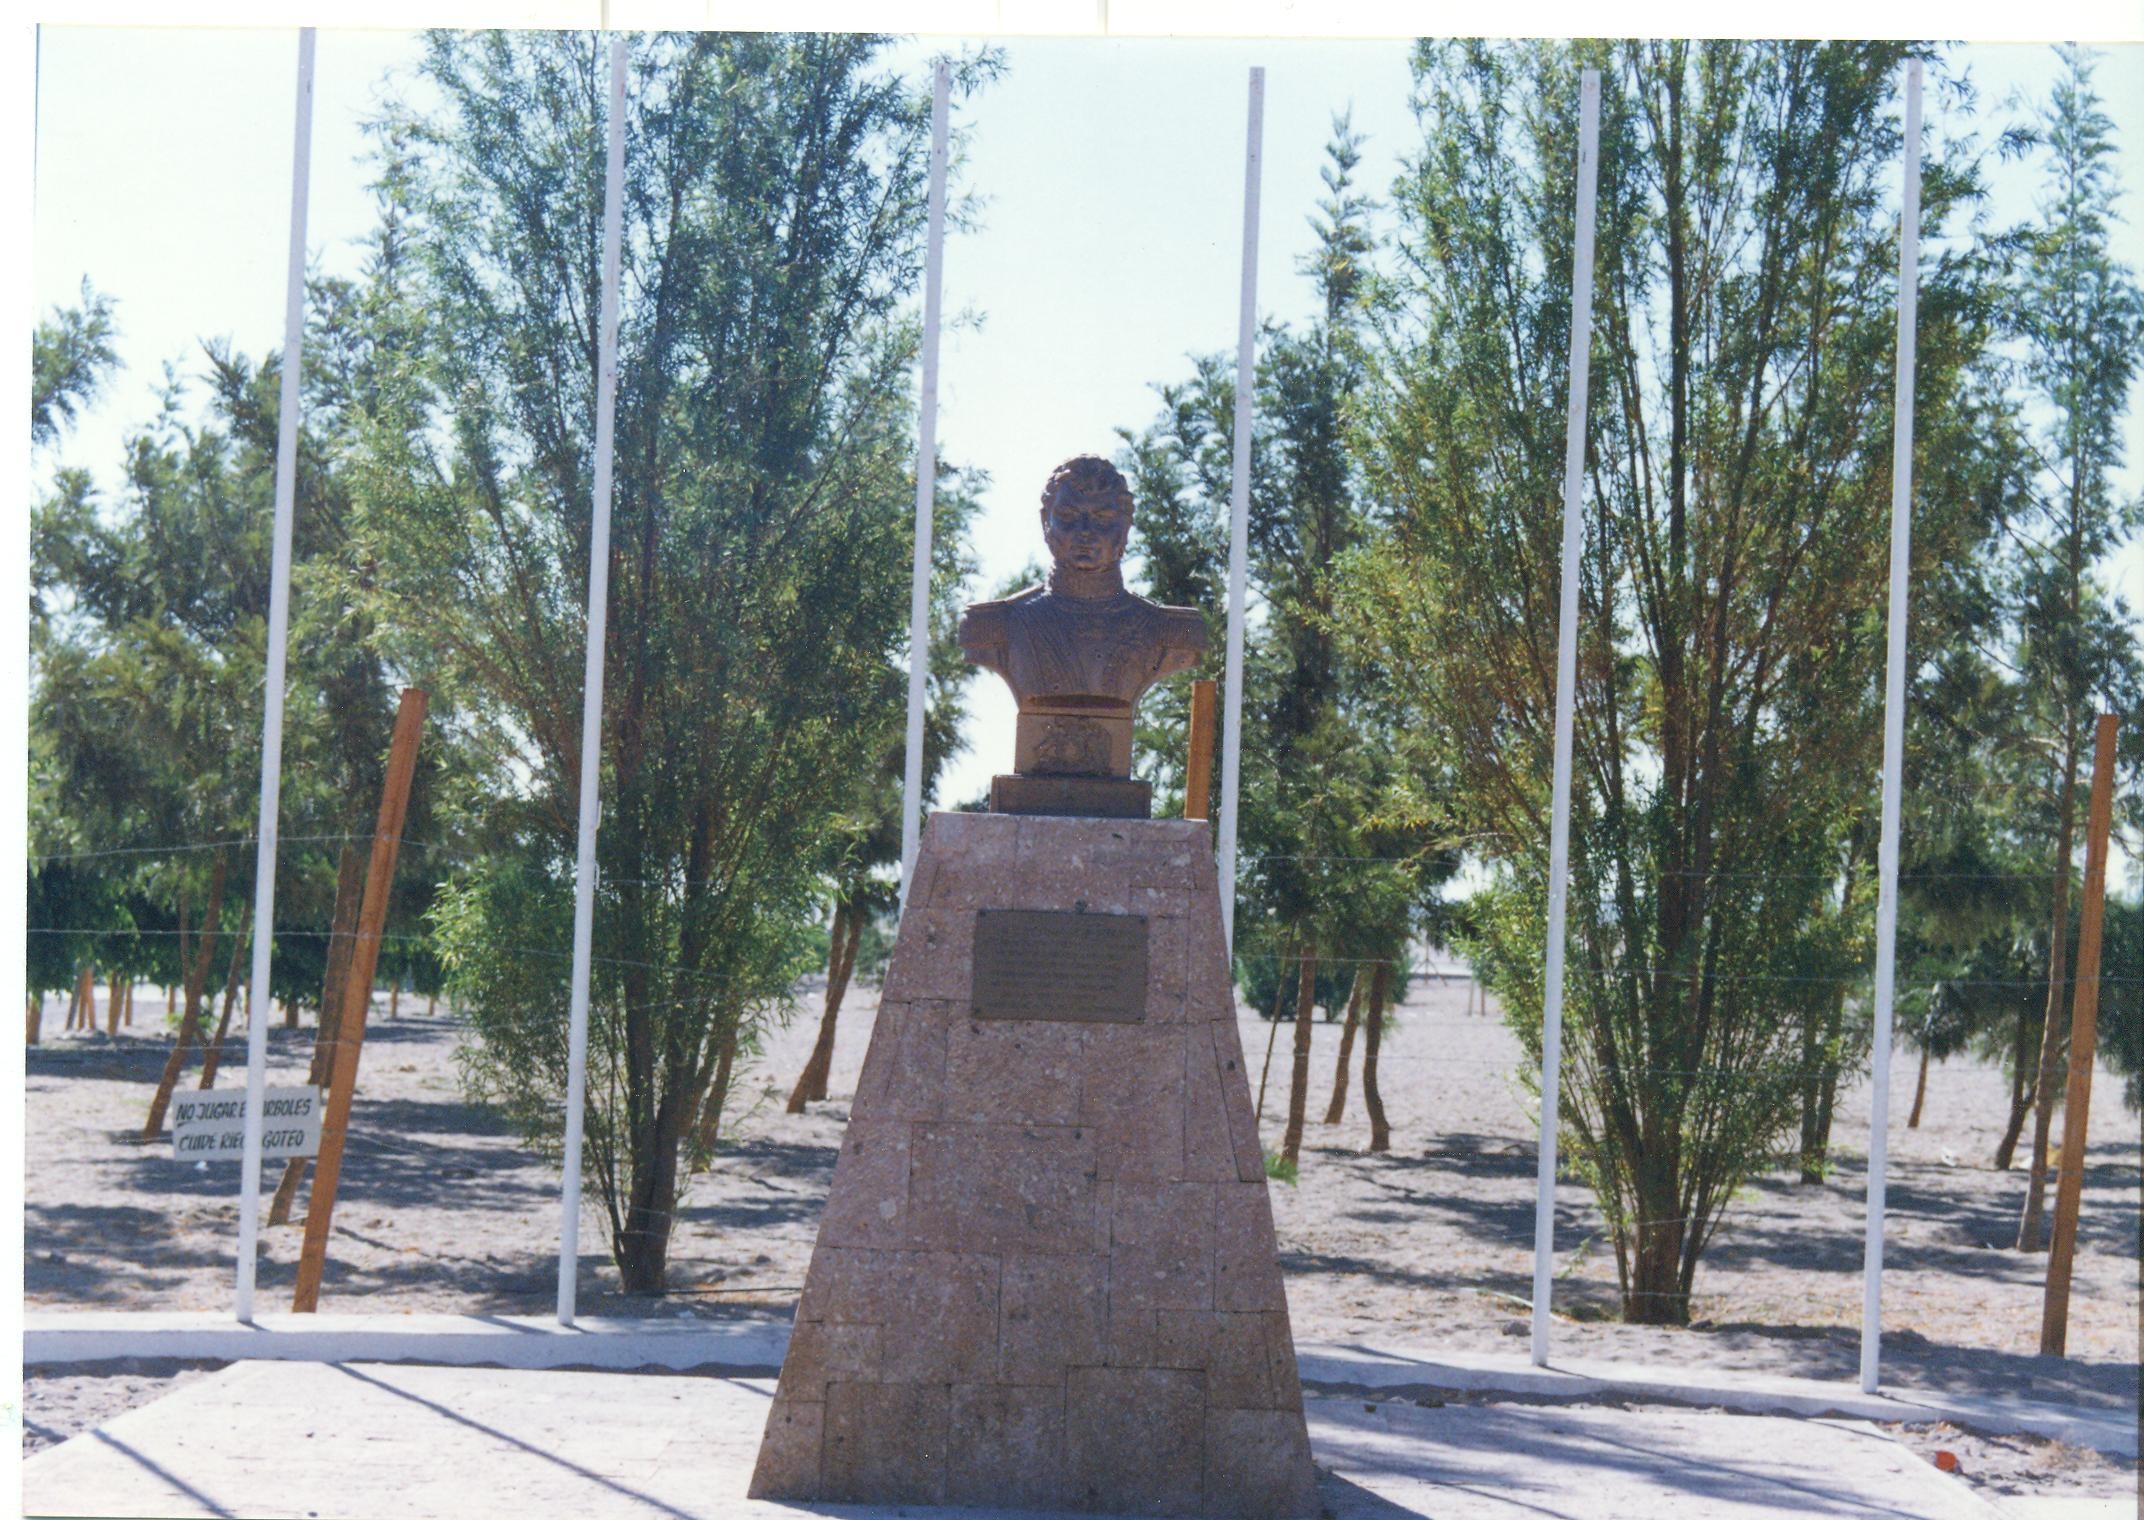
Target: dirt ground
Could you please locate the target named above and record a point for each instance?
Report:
(1428, 1245)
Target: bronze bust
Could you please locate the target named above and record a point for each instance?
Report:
(1079, 653)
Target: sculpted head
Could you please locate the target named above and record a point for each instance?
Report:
(1086, 513)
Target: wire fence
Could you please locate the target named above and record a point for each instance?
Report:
(2116, 979)
(1430, 1044)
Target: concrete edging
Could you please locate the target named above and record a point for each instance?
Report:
(1370, 1369)
(756, 1348)
(522, 1342)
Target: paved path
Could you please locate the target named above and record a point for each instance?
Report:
(357, 1441)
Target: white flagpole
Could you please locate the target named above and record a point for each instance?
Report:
(1239, 508)
(584, 867)
(286, 493)
(1559, 846)
(919, 596)
(1894, 729)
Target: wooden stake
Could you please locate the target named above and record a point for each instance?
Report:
(1198, 768)
(357, 996)
(113, 1007)
(2084, 1034)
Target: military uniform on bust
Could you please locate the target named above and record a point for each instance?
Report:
(1078, 654)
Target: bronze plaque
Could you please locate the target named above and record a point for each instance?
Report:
(1088, 968)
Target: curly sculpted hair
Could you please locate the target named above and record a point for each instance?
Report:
(1086, 477)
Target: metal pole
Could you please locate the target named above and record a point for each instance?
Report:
(584, 865)
(286, 493)
(1894, 729)
(919, 594)
(1559, 838)
(1239, 509)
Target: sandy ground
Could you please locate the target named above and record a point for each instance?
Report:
(1430, 1244)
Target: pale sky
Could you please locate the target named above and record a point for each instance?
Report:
(1107, 250)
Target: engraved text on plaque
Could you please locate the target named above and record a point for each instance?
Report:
(1089, 968)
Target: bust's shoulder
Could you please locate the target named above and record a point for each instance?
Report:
(982, 622)
(1181, 627)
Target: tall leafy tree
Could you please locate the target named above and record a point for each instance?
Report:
(1317, 805)
(69, 895)
(865, 848)
(148, 631)
(1737, 470)
(2080, 313)
(759, 570)
(71, 356)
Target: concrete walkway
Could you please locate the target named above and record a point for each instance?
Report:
(359, 1441)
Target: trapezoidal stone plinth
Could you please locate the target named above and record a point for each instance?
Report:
(1046, 1274)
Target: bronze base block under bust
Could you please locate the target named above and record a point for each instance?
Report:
(1072, 796)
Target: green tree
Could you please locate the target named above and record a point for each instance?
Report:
(2121, 996)
(865, 860)
(1315, 805)
(761, 517)
(1731, 598)
(71, 355)
(141, 681)
(148, 635)
(2080, 313)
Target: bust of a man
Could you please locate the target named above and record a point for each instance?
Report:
(1080, 652)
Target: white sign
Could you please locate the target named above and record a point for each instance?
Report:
(211, 1126)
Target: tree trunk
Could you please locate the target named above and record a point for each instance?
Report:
(171, 994)
(1827, 1102)
(1655, 1294)
(1373, 1036)
(2020, 1095)
(2055, 1025)
(195, 974)
(113, 1007)
(286, 1191)
(1280, 991)
(709, 1128)
(1920, 1092)
(74, 1004)
(431, 1003)
(36, 1017)
(1811, 1168)
(1335, 1109)
(214, 1058)
(1306, 991)
(642, 1248)
(342, 940)
(840, 964)
(1820, 1086)
(394, 999)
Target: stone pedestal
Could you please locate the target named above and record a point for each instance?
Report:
(1046, 1274)
(1071, 796)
